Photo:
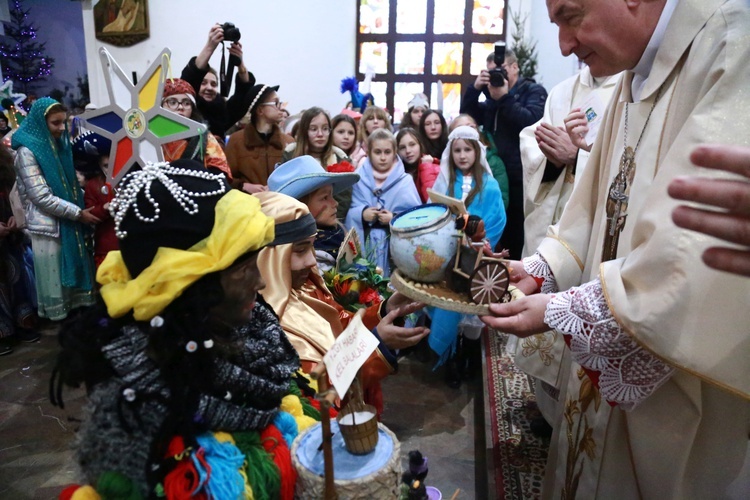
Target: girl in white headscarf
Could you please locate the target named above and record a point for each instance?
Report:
(465, 174)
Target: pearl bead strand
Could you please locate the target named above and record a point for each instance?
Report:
(141, 181)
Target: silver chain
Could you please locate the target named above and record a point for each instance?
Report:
(643, 130)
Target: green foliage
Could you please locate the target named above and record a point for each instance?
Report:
(357, 285)
(525, 49)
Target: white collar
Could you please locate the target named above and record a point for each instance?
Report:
(643, 68)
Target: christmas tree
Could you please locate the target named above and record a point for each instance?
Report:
(24, 60)
(525, 49)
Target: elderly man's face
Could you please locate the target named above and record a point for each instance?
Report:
(604, 34)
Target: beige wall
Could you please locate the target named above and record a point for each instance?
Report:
(306, 46)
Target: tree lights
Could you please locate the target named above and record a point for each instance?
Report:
(24, 59)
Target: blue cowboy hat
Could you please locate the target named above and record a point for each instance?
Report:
(302, 175)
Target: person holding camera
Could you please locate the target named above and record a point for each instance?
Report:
(220, 112)
(513, 103)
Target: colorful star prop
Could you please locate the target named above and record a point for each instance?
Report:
(6, 92)
(134, 120)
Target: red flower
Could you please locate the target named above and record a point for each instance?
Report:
(341, 167)
(369, 296)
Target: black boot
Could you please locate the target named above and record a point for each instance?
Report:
(472, 354)
(454, 366)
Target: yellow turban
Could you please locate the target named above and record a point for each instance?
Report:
(240, 227)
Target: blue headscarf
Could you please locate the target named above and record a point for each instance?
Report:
(55, 159)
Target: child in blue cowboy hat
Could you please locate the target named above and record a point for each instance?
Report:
(304, 179)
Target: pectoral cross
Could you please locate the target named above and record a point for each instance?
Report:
(617, 204)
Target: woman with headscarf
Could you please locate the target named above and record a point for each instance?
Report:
(184, 364)
(466, 175)
(54, 206)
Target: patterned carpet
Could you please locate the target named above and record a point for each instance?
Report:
(518, 456)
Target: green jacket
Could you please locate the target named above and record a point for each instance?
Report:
(497, 166)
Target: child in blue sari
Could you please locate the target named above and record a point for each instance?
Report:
(465, 175)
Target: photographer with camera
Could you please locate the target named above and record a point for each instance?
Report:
(220, 112)
(513, 103)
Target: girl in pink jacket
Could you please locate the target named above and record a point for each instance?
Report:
(411, 151)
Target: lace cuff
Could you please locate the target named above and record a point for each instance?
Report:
(537, 267)
(629, 373)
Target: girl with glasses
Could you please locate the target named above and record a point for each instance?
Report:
(179, 97)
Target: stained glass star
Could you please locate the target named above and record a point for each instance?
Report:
(134, 120)
(6, 92)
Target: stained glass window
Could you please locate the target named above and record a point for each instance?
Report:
(403, 92)
(409, 58)
(431, 41)
(379, 91)
(373, 56)
(451, 99)
(373, 16)
(410, 16)
(479, 53)
(447, 58)
(449, 16)
(487, 17)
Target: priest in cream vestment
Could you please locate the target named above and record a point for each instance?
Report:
(545, 199)
(547, 188)
(657, 396)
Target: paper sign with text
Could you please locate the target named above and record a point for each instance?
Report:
(348, 354)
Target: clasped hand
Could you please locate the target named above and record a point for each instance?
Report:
(382, 215)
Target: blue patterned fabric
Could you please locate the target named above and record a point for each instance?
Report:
(489, 206)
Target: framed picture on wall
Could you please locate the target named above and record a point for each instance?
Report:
(121, 22)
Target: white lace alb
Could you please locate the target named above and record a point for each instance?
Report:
(536, 266)
(629, 373)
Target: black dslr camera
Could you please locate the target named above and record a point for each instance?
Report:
(497, 75)
(231, 32)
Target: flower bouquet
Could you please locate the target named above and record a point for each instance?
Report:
(342, 167)
(355, 282)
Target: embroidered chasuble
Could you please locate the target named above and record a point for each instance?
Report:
(542, 356)
(667, 337)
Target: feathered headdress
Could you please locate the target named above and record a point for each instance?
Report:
(360, 101)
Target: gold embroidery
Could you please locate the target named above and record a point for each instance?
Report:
(583, 441)
(541, 343)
